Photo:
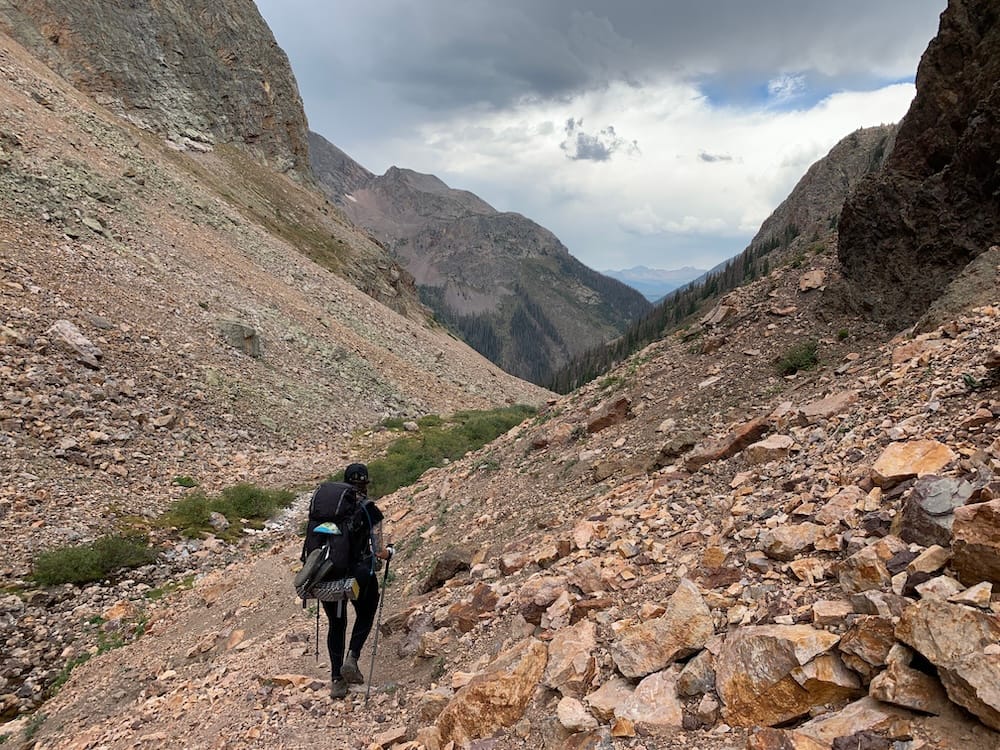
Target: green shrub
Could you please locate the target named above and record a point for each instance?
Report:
(66, 565)
(802, 356)
(84, 563)
(251, 502)
(410, 456)
(189, 514)
(185, 481)
(842, 334)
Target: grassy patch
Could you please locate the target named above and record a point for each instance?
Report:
(32, 727)
(185, 481)
(94, 561)
(611, 382)
(439, 440)
(801, 356)
(242, 505)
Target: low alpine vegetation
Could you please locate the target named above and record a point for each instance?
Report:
(94, 561)
(439, 440)
(802, 356)
(242, 505)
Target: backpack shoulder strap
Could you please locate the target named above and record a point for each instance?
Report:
(305, 542)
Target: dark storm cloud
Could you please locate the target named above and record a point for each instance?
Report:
(440, 54)
(583, 146)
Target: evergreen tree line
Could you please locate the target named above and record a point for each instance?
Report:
(671, 312)
(519, 336)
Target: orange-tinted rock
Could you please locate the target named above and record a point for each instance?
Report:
(725, 447)
(653, 707)
(537, 594)
(771, 448)
(827, 407)
(571, 665)
(914, 458)
(785, 542)
(866, 569)
(681, 631)
(903, 686)
(976, 543)
(465, 614)
(866, 644)
(754, 673)
(608, 414)
(954, 638)
(496, 697)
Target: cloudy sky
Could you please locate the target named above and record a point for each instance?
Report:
(642, 132)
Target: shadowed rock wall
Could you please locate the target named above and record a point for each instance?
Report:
(911, 228)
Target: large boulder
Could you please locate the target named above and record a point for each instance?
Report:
(927, 514)
(572, 666)
(913, 458)
(770, 674)
(496, 697)
(964, 644)
(682, 630)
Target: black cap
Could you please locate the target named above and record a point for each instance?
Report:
(356, 474)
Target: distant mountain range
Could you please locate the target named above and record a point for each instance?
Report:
(655, 283)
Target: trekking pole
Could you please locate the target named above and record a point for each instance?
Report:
(378, 623)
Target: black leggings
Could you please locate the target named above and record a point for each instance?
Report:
(365, 607)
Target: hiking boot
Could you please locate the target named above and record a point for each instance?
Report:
(350, 670)
(338, 688)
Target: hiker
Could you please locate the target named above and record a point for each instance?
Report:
(344, 667)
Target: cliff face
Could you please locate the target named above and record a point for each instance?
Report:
(910, 229)
(188, 69)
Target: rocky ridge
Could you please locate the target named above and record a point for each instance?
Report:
(911, 228)
(164, 69)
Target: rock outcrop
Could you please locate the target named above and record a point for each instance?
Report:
(912, 227)
(199, 72)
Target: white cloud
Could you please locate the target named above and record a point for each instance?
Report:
(663, 189)
(687, 132)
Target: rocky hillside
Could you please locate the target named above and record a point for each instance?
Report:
(501, 281)
(803, 225)
(692, 552)
(170, 313)
(915, 226)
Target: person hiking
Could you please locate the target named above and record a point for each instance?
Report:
(368, 552)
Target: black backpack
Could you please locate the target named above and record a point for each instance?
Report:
(336, 526)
